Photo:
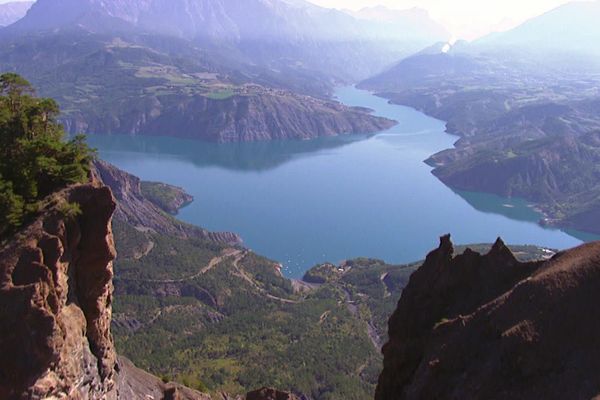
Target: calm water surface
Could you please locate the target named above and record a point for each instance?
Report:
(306, 202)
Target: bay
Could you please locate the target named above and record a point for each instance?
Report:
(330, 199)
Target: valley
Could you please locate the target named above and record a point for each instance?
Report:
(211, 312)
(237, 200)
(109, 85)
(205, 72)
(526, 112)
(276, 196)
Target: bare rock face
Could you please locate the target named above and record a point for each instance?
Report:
(489, 327)
(55, 302)
(56, 308)
(135, 209)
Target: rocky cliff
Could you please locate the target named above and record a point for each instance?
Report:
(56, 294)
(488, 326)
(134, 208)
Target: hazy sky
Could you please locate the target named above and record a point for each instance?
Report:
(464, 18)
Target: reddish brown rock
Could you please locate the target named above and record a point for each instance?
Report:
(490, 327)
(56, 308)
(55, 302)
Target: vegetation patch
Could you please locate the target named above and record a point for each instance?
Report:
(35, 161)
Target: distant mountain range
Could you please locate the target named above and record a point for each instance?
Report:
(13, 11)
(570, 29)
(223, 70)
(413, 24)
(271, 33)
(525, 103)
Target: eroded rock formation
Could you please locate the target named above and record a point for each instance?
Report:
(490, 327)
(56, 307)
(55, 302)
(56, 290)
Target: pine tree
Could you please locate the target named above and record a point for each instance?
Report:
(35, 160)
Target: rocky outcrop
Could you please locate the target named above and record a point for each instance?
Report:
(488, 326)
(135, 384)
(55, 302)
(56, 293)
(136, 209)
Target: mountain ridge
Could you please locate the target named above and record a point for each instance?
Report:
(119, 77)
(263, 30)
(13, 11)
(520, 331)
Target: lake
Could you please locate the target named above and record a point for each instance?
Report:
(330, 199)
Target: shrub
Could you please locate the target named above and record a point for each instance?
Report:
(35, 161)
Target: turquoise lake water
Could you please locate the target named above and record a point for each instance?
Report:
(330, 199)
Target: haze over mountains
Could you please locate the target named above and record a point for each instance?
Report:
(569, 29)
(267, 32)
(13, 11)
(525, 104)
(166, 67)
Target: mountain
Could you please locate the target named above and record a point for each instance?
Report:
(108, 84)
(271, 33)
(527, 120)
(12, 12)
(413, 24)
(478, 326)
(569, 30)
(207, 70)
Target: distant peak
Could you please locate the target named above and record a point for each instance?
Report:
(446, 245)
(500, 249)
(499, 244)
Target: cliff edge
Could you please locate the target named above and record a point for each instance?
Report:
(55, 301)
(56, 293)
(490, 327)
(56, 307)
